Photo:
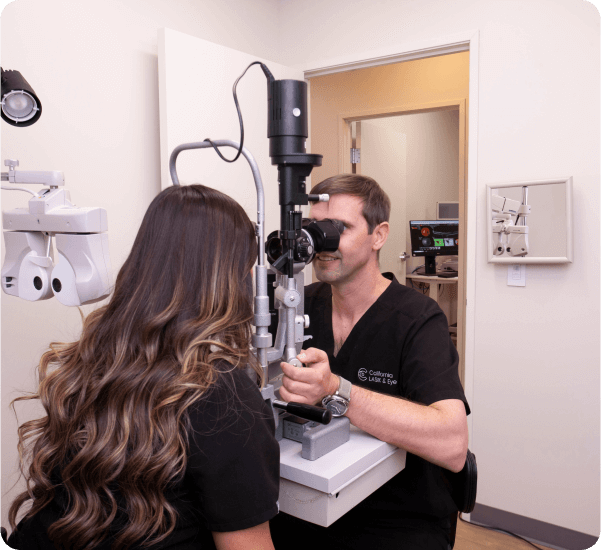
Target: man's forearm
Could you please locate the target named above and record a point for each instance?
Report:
(435, 433)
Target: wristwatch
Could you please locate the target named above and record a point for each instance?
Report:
(338, 403)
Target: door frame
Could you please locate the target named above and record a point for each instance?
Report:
(465, 41)
(344, 167)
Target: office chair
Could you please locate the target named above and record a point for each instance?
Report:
(463, 490)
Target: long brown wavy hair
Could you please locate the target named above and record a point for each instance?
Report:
(116, 400)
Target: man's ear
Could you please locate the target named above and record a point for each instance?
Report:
(380, 235)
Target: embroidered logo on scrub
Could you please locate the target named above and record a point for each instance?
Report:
(376, 376)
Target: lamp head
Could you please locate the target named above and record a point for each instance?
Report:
(20, 105)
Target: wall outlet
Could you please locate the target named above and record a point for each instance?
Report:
(516, 275)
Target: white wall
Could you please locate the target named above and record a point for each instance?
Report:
(536, 382)
(94, 67)
(178, 53)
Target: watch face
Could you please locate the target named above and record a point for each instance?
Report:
(338, 408)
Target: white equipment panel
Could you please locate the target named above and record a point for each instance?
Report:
(321, 491)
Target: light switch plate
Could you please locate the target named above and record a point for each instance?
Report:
(516, 275)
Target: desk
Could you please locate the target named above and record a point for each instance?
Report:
(433, 279)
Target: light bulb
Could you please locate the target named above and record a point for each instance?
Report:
(19, 105)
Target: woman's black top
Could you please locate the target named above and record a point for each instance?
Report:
(231, 480)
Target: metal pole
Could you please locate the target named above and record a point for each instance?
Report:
(262, 316)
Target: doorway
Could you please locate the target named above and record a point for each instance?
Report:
(430, 85)
(415, 159)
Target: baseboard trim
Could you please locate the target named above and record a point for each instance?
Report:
(546, 533)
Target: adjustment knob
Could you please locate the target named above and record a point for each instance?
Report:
(305, 249)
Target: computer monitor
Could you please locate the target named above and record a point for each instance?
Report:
(431, 238)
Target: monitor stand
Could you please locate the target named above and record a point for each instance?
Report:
(430, 267)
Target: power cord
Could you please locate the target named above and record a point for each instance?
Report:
(20, 189)
(420, 286)
(270, 78)
(491, 528)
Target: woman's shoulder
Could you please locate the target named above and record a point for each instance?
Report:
(233, 402)
(232, 383)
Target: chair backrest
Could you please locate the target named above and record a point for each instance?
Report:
(467, 498)
(463, 490)
(464, 484)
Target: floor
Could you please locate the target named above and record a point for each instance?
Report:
(472, 537)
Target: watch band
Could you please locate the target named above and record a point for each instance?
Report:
(339, 402)
(344, 389)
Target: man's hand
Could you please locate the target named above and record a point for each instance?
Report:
(308, 385)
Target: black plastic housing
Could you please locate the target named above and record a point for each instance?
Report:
(287, 104)
(287, 130)
(325, 233)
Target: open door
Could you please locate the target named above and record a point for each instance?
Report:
(383, 156)
(196, 102)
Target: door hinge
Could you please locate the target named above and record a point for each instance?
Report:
(355, 156)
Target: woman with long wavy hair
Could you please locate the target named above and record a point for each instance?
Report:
(155, 435)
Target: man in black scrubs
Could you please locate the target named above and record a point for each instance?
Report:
(384, 351)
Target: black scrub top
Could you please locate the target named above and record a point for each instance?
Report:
(231, 480)
(401, 346)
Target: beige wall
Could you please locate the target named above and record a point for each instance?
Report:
(432, 164)
(432, 173)
(418, 82)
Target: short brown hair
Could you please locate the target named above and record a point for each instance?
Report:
(376, 204)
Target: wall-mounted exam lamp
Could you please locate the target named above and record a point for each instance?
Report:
(20, 105)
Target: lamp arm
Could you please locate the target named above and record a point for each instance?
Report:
(262, 338)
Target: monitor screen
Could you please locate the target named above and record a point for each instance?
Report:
(434, 238)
